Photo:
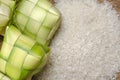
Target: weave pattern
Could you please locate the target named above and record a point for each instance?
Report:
(20, 55)
(41, 20)
(4, 77)
(6, 9)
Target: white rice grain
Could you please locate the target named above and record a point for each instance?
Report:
(87, 46)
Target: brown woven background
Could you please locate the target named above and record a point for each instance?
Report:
(115, 3)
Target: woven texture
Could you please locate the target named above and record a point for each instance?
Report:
(6, 8)
(40, 21)
(4, 77)
(20, 55)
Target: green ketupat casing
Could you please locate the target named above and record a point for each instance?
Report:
(6, 10)
(38, 19)
(21, 56)
(24, 50)
(4, 77)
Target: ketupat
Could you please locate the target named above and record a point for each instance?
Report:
(4, 77)
(38, 19)
(23, 55)
(6, 10)
(20, 55)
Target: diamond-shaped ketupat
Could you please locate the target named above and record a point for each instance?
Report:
(38, 19)
(6, 10)
(20, 55)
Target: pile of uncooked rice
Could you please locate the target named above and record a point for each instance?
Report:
(87, 45)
